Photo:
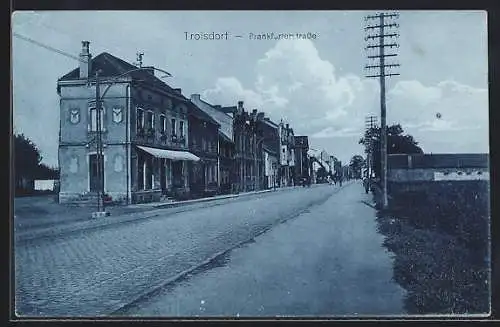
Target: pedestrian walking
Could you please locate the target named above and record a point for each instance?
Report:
(366, 184)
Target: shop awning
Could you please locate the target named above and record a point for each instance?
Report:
(170, 154)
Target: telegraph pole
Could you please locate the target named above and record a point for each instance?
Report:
(98, 141)
(381, 46)
(370, 122)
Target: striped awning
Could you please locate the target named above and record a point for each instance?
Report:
(170, 154)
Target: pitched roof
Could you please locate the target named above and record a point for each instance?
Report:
(269, 148)
(225, 120)
(200, 114)
(224, 137)
(270, 123)
(112, 66)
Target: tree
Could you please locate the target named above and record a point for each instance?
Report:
(46, 172)
(357, 162)
(397, 143)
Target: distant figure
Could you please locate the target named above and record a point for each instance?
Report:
(366, 184)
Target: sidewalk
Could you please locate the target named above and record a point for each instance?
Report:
(80, 217)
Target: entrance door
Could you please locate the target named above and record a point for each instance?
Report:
(94, 172)
(177, 174)
(163, 175)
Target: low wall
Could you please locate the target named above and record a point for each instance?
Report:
(436, 174)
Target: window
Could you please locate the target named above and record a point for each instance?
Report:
(181, 128)
(163, 124)
(173, 126)
(150, 120)
(140, 118)
(93, 119)
(146, 176)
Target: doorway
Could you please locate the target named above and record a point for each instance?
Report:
(178, 180)
(94, 172)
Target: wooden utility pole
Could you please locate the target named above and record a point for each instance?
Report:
(370, 123)
(98, 141)
(381, 45)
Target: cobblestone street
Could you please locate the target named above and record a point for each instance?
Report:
(99, 271)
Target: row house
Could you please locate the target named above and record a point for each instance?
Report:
(241, 143)
(271, 151)
(203, 142)
(248, 151)
(286, 173)
(144, 133)
(302, 167)
(227, 181)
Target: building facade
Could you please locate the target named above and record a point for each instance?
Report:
(227, 181)
(244, 165)
(286, 172)
(203, 142)
(301, 158)
(144, 133)
(271, 146)
(225, 163)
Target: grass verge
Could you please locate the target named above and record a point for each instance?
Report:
(440, 238)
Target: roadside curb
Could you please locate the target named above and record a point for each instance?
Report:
(149, 212)
(210, 199)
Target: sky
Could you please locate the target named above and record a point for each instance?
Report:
(317, 85)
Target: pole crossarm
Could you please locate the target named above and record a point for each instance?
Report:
(378, 66)
(373, 37)
(372, 27)
(393, 74)
(395, 15)
(390, 45)
(382, 56)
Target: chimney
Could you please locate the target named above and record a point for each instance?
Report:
(240, 107)
(260, 116)
(195, 97)
(179, 91)
(287, 126)
(85, 60)
(254, 112)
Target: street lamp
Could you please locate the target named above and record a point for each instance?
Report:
(100, 160)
